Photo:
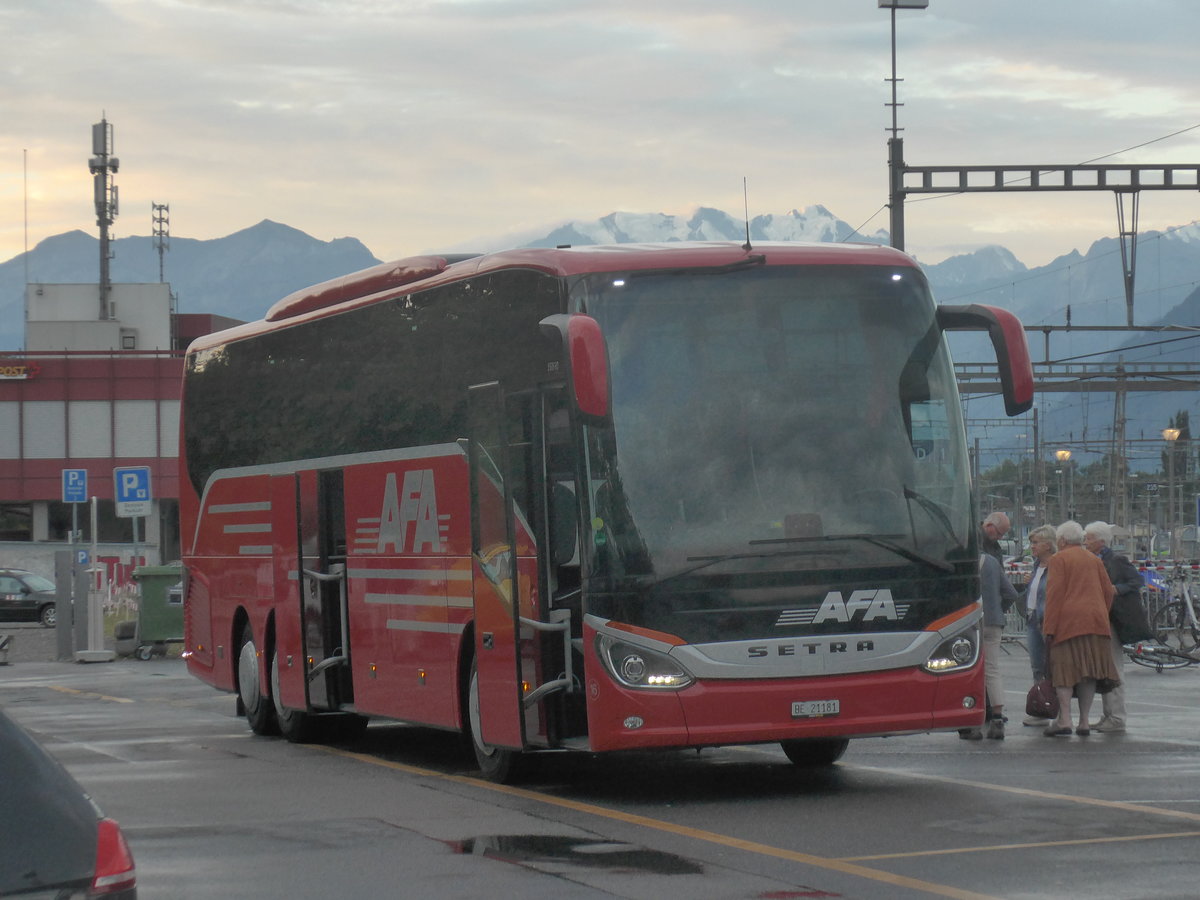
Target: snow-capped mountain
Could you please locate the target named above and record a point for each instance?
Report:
(242, 274)
(815, 223)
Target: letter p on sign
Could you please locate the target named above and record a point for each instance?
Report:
(132, 488)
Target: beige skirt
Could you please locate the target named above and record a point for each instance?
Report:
(1086, 656)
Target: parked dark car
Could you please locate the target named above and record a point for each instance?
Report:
(54, 841)
(25, 595)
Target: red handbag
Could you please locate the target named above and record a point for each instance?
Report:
(1042, 700)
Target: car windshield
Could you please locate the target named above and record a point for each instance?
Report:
(38, 583)
(806, 414)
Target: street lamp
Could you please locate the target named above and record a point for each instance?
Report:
(1063, 457)
(1171, 435)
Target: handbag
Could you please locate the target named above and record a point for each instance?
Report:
(1042, 701)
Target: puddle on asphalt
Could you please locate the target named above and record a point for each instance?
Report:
(544, 849)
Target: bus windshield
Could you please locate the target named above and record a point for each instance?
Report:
(771, 417)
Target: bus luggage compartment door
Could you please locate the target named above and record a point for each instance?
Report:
(495, 572)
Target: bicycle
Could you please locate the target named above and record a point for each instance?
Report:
(1176, 626)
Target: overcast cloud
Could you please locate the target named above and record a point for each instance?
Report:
(424, 124)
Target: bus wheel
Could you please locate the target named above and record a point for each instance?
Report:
(260, 712)
(815, 751)
(294, 724)
(495, 763)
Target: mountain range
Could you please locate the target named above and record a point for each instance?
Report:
(242, 274)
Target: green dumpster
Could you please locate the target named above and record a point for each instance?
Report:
(160, 612)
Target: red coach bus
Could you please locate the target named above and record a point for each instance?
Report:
(595, 498)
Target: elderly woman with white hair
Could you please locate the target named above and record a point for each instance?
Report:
(1078, 597)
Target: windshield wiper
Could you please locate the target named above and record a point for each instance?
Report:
(703, 562)
(935, 512)
(898, 549)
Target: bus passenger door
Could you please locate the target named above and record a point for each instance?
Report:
(324, 611)
(497, 585)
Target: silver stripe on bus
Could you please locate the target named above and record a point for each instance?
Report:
(406, 599)
(256, 551)
(434, 627)
(220, 508)
(413, 574)
(420, 600)
(256, 528)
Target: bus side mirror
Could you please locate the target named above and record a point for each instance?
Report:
(1012, 352)
(586, 361)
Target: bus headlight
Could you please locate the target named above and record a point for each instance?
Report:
(954, 654)
(638, 667)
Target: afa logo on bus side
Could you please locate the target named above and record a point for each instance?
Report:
(411, 510)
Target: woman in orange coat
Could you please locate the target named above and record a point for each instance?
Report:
(1078, 635)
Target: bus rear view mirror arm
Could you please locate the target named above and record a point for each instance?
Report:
(585, 359)
(1012, 352)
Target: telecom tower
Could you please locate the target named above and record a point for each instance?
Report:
(160, 216)
(103, 165)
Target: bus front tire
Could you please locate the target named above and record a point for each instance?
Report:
(815, 752)
(495, 763)
(260, 711)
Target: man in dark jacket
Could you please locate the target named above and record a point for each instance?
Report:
(1127, 617)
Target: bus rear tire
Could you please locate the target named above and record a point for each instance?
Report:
(814, 752)
(296, 725)
(495, 763)
(260, 711)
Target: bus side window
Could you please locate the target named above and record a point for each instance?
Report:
(562, 501)
(564, 525)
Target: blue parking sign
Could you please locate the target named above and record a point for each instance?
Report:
(74, 486)
(131, 484)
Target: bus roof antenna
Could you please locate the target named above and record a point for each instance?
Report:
(746, 199)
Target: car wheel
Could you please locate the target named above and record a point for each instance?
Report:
(260, 711)
(48, 615)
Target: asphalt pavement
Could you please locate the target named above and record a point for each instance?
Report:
(213, 812)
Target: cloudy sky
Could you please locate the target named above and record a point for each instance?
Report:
(426, 124)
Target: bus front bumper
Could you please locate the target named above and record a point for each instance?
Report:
(716, 712)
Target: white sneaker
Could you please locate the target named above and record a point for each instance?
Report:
(1110, 726)
(1035, 722)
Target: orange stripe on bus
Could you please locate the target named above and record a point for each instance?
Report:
(941, 623)
(650, 633)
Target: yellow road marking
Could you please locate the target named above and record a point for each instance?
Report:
(1043, 795)
(837, 865)
(92, 694)
(1029, 846)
